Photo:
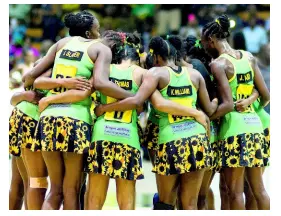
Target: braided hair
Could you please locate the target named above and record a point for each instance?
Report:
(219, 28)
(194, 50)
(159, 46)
(179, 45)
(79, 23)
(126, 45)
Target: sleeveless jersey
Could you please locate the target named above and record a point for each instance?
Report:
(72, 60)
(120, 127)
(180, 90)
(242, 85)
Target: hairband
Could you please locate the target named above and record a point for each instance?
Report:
(198, 44)
(140, 54)
(217, 21)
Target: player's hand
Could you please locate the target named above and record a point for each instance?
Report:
(78, 83)
(203, 119)
(31, 97)
(28, 80)
(99, 110)
(43, 104)
(242, 105)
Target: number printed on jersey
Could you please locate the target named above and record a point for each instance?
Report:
(243, 92)
(63, 71)
(124, 117)
(185, 102)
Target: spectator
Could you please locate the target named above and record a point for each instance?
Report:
(169, 19)
(264, 66)
(52, 24)
(255, 36)
(19, 32)
(30, 56)
(19, 11)
(192, 27)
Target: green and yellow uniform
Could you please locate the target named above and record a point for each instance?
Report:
(67, 127)
(182, 142)
(22, 124)
(241, 134)
(115, 147)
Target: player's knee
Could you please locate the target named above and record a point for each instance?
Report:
(125, 201)
(95, 201)
(71, 191)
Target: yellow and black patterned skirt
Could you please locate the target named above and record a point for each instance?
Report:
(21, 132)
(150, 140)
(266, 147)
(244, 150)
(115, 160)
(62, 134)
(182, 156)
(213, 156)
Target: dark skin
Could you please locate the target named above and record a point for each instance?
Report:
(223, 71)
(16, 192)
(31, 164)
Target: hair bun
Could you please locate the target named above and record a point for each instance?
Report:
(70, 20)
(224, 22)
(133, 38)
(175, 41)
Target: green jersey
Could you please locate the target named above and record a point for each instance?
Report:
(72, 60)
(180, 90)
(120, 127)
(242, 85)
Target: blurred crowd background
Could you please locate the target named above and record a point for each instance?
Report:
(34, 28)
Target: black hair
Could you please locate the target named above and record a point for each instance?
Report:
(219, 28)
(178, 43)
(194, 50)
(148, 61)
(126, 45)
(79, 23)
(162, 47)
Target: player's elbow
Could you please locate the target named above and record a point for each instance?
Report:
(100, 84)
